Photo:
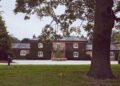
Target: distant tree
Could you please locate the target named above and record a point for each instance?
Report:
(5, 42)
(14, 39)
(25, 40)
(115, 36)
(98, 14)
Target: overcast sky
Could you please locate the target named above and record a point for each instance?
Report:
(20, 28)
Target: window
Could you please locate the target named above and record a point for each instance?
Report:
(40, 53)
(24, 52)
(75, 54)
(58, 46)
(75, 45)
(40, 45)
(111, 53)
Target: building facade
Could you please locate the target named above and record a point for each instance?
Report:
(70, 48)
(34, 49)
(113, 51)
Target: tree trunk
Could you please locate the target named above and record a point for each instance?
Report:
(100, 64)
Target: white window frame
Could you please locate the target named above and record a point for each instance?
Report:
(40, 45)
(40, 53)
(75, 54)
(58, 44)
(75, 45)
(24, 52)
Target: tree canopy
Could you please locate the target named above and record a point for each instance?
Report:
(5, 42)
(74, 9)
(116, 36)
(14, 39)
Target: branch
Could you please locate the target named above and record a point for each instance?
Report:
(51, 22)
(81, 23)
(117, 10)
(117, 19)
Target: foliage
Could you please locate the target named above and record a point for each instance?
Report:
(48, 33)
(74, 9)
(5, 42)
(58, 54)
(25, 40)
(14, 39)
(115, 36)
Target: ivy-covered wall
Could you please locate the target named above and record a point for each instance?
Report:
(48, 50)
(34, 50)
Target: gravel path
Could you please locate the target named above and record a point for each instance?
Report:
(50, 62)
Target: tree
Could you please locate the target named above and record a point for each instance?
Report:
(5, 42)
(115, 37)
(48, 33)
(98, 14)
(14, 39)
(25, 40)
(104, 22)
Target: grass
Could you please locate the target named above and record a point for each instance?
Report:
(53, 75)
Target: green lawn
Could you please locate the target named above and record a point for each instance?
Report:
(43, 75)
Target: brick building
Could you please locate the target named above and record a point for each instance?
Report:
(70, 48)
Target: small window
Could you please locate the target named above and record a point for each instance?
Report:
(40, 53)
(40, 45)
(75, 45)
(75, 54)
(24, 52)
(57, 46)
(111, 54)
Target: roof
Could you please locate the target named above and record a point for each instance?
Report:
(72, 38)
(112, 47)
(21, 45)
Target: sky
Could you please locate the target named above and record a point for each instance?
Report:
(20, 28)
